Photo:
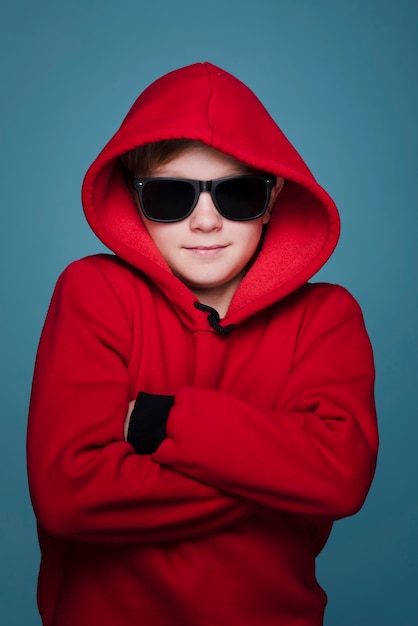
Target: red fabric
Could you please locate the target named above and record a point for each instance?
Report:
(273, 433)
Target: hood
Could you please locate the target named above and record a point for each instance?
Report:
(204, 102)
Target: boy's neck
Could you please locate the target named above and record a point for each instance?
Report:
(219, 298)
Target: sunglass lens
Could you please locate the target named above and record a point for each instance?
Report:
(167, 200)
(242, 198)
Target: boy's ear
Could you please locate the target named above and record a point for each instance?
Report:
(273, 197)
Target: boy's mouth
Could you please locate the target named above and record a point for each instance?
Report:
(206, 250)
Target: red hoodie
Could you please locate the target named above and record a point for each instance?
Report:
(272, 435)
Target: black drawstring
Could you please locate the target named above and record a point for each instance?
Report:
(213, 319)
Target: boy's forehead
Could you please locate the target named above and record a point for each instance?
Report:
(200, 158)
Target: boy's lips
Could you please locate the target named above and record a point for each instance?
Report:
(206, 250)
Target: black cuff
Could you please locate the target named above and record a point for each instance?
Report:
(148, 421)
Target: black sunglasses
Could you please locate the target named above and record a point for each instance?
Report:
(238, 198)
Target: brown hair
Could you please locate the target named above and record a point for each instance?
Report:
(144, 160)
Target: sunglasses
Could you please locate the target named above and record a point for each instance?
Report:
(237, 198)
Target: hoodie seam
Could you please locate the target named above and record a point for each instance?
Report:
(210, 104)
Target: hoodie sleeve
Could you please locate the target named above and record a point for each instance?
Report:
(315, 453)
(86, 482)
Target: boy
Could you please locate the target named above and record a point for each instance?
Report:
(200, 413)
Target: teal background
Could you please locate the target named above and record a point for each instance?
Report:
(340, 78)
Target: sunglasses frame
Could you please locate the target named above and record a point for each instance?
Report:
(205, 185)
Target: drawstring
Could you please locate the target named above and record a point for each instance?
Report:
(213, 319)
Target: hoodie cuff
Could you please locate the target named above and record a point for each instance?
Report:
(147, 426)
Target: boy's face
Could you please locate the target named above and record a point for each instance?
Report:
(206, 251)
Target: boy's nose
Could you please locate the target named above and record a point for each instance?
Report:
(205, 215)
